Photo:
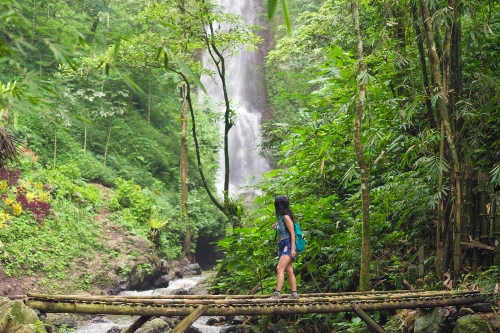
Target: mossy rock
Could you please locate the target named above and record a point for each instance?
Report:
(15, 317)
(156, 325)
(471, 324)
(430, 322)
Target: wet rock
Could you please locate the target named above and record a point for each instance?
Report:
(180, 291)
(215, 321)
(164, 281)
(192, 269)
(192, 329)
(114, 329)
(471, 324)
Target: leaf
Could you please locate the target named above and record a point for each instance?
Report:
(116, 49)
(311, 267)
(286, 13)
(271, 8)
(131, 84)
(186, 70)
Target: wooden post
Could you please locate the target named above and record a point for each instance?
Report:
(494, 208)
(496, 233)
(372, 324)
(137, 324)
(189, 320)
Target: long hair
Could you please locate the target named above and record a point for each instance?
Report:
(282, 206)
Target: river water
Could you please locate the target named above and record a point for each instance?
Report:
(105, 323)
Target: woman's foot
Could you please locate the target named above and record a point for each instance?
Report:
(276, 295)
(293, 295)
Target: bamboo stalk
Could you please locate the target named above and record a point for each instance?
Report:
(496, 232)
(190, 319)
(137, 324)
(372, 324)
(477, 244)
(95, 297)
(278, 307)
(305, 299)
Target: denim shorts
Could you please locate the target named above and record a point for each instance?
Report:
(284, 247)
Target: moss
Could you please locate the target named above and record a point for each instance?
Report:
(471, 324)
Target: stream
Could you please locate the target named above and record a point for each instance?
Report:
(103, 324)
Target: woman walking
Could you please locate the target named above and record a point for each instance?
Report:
(286, 246)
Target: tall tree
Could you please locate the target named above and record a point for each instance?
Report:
(358, 145)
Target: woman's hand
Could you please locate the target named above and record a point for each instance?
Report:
(293, 253)
(274, 226)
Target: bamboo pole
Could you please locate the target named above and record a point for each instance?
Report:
(482, 179)
(190, 319)
(476, 244)
(137, 324)
(372, 324)
(114, 298)
(496, 260)
(304, 299)
(282, 306)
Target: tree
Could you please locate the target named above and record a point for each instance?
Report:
(363, 169)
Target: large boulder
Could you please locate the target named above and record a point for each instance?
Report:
(156, 325)
(430, 322)
(15, 317)
(471, 324)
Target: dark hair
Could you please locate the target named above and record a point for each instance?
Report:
(282, 206)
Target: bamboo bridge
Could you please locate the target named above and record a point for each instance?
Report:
(193, 306)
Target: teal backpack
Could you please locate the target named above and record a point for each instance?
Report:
(300, 241)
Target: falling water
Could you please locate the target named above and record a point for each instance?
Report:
(246, 88)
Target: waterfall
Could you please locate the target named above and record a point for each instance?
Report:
(246, 88)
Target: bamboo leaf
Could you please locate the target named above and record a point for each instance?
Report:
(286, 13)
(271, 8)
(116, 49)
(186, 70)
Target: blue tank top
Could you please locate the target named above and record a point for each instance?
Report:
(281, 228)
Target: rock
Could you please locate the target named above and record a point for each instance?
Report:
(236, 320)
(471, 324)
(430, 322)
(214, 321)
(179, 274)
(60, 319)
(164, 281)
(230, 329)
(171, 322)
(180, 291)
(481, 307)
(192, 329)
(192, 269)
(156, 325)
(17, 317)
(114, 329)
(465, 312)
(279, 327)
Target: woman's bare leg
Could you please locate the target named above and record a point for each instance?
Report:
(291, 276)
(280, 270)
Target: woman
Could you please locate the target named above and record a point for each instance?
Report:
(286, 246)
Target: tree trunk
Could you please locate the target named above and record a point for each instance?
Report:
(107, 144)
(496, 259)
(55, 146)
(186, 243)
(85, 139)
(364, 172)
